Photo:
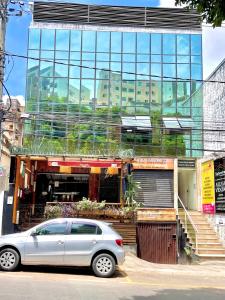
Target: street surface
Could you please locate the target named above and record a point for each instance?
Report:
(136, 280)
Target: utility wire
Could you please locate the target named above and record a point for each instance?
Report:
(114, 71)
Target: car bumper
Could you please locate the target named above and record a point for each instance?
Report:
(120, 257)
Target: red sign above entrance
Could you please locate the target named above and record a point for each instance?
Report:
(86, 163)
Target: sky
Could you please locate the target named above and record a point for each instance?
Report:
(17, 36)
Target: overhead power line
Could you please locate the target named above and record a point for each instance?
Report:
(59, 62)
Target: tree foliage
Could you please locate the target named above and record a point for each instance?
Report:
(212, 11)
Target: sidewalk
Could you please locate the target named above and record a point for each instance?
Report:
(204, 275)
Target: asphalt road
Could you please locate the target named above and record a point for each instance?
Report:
(37, 283)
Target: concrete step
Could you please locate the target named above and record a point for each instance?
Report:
(211, 257)
(210, 245)
(207, 240)
(214, 251)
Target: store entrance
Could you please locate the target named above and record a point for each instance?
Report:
(187, 188)
(53, 187)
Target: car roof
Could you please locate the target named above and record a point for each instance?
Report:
(97, 222)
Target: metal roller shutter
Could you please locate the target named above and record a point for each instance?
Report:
(156, 188)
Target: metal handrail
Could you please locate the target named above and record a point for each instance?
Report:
(187, 215)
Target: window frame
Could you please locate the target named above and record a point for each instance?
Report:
(84, 223)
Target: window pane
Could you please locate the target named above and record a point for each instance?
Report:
(75, 55)
(102, 56)
(52, 229)
(169, 44)
(61, 54)
(116, 42)
(143, 68)
(115, 57)
(156, 92)
(129, 42)
(87, 91)
(143, 43)
(62, 40)
(142, 92)
(156, 43)
(46, 69)
(102, 92)
(169, 70)
(85, 229)
(103, 41)
(101, 72)
(88, 56)
(116, 67)
(196, 59)
(48, 39)
(89, 41)
(47, 54)
(74, 70)
(34, 39)
(34, 53)
(169, 97)
(128, 71)
(156, 58)
(143, 58)
(196, 72)
(61, 70)
(74, 91)
(46, 88)
(75, 40)
(61, 88)
(183, 59)
(183, 44)
(128, 57)
(169, 58)
(196, 43)
(86, 72)
(155, 71)
(115, 92)
(128, 93)
(183, 71)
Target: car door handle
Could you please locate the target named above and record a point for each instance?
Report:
(94, 242)
(60, 242)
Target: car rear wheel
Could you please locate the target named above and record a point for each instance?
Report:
(104, 265)
(9, 259)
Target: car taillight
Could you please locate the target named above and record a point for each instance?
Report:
(119, 242)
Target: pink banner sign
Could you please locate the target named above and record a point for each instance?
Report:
(208, 209)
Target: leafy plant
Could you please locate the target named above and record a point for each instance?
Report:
(87, 204)
(132, 192)
(53, 211)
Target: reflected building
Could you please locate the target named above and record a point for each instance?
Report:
(114, 67)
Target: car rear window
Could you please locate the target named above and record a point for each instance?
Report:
(81, 228)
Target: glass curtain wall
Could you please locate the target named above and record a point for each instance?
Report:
(80, 84)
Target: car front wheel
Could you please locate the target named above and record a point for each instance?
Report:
(104, 265)
(9, 259)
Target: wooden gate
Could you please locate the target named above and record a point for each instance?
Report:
(157, 242)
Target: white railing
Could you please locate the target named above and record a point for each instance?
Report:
(189, 222)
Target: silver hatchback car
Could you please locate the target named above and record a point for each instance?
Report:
(64, 242)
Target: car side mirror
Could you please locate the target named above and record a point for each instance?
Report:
(34, 233)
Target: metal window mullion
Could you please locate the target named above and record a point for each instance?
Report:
(135, 76)
(95, 97)
(68, 87)
(80, 99)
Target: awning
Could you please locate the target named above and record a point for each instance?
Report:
(138, 122)
(178, 123)
(86, 163)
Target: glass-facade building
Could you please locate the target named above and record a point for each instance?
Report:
(107, 90)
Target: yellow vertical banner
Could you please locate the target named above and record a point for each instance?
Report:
(208, 187)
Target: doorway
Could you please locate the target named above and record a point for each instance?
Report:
(187, 190)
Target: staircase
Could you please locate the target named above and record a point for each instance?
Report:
(201, 235)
